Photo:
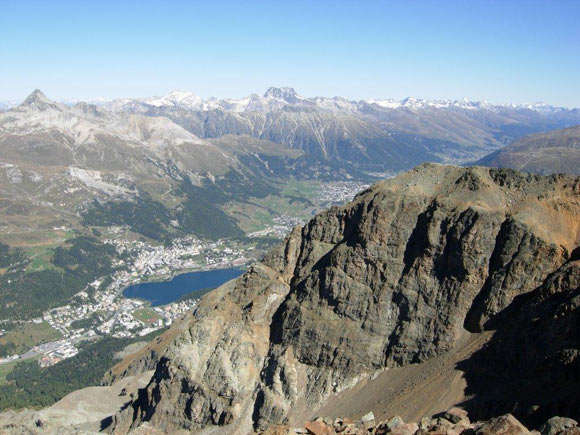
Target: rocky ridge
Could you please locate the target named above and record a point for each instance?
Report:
(394, 278)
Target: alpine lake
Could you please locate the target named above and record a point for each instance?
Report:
(165, 292)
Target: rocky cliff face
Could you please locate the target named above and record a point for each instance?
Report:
(531, 367)
(393, 278)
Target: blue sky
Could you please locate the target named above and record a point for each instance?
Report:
(501, 51)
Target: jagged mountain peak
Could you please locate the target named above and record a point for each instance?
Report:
(38, 100)
(36, 96)
(286, 94)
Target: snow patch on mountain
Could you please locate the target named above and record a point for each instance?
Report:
(176, 98)
(275, 98)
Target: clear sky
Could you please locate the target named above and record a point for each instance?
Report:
(500, 51)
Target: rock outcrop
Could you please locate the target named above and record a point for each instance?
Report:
(453, 422)
(393, 278)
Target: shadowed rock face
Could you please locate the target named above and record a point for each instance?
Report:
(392, 278)
(531, 367)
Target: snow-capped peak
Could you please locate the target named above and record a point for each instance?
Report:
(176, 98)
(288, 95)
(418, 103)
(276, 98)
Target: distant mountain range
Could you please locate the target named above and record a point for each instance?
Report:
(57, 159)
(41, 131)
(369, 134)
(372, 134)
(275, 98)
(556, 151)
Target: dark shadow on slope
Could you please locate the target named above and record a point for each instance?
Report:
(575, 255)
(106, 423)
(508, 235)
(449, 264)
(418, 242)
(531, 367)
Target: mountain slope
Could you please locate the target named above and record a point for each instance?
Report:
(58, 161)
(398, 276)
(44, 132)
(333, 137)
(543, 153)
(368, 134)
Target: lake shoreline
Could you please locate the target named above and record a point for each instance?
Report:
(160, 292)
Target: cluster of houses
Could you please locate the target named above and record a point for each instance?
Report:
(102, 309)
(64, 351)
(186, 253)
(175, 310)
(339, 192)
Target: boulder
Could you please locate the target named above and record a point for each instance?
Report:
(557, 425)
(405, 429)
(319, 428)
(503, 425)
(425, 423)
(277, 430)
(389, 425)
(456, 415)
(368, 418)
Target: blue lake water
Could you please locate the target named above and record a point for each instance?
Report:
(162, 293)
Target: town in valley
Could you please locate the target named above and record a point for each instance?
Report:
(101, 309)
